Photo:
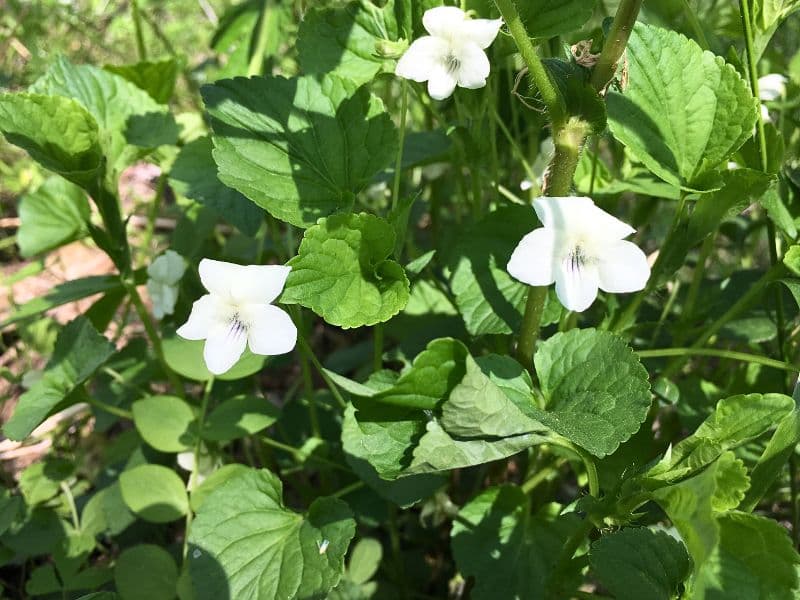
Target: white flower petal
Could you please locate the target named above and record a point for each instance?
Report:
(271, 330)
(765, 116)
(202, 318)
(579, 214)
(561, 212)
(218, 276)
(771, 87)
(422, 58)
(259, 283)
(532, 260)
(443, 21)
(481, 31)
(441, 84)
(224, 346)
(623, 268)
(474, 67)
(576, 287)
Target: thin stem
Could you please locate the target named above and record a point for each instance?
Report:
(627, 316)
(256, 65)
(515, 148)
(531, 321)
(694, 23)
(109, 408)
(740, 305)
(699, 271)
(719, 353)
(301, 456)
(308, 385)
(398, 162)
(347, 489)
(551, 96)
(394, 538)
(137, 26)
(565, 557)
(76, 521)
(304, 347)
(152, 335)
(615, 43)
(193, 475)
(752, 68)
(152, 215)
(377, 350)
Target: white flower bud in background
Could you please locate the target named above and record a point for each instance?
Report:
(164, 274)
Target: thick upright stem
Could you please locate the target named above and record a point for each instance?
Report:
(551, 96)
(531, 321)
(615, 43)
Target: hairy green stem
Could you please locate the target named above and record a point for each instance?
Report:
(531, 321)
(615, 43)
(256, 64)
(551, 96)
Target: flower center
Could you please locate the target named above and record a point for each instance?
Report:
(452, 63)
(236, 326)
(576, 258)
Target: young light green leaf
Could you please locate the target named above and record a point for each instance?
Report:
(165, 422)
(300, 148)
(493, 400)
(53, 215)
(549, 18)
(154, 493)
(239, 417)
(596, 391)
(755, 558)
(741, 188)
(343, 273)
(156, 78)
(345, 40)
(364, 560)
(693, 504)
(146, 571)
(114, 102)
(57, 132)
(78, 352)
(359, 448)
(246, 544)
(772, 462)
(194, 175)
(736, 420)
(433, 374)
(684, 112)
(494, 535)
(635, 563)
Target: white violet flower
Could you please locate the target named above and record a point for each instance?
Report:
(770, 88)
(237, 312)
(453, 54)
(163, 274)
(581, 248)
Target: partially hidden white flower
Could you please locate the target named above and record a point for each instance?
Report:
(581, 248)
(163, 274)
(453, 54)
(237, 312)
(770, 88)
